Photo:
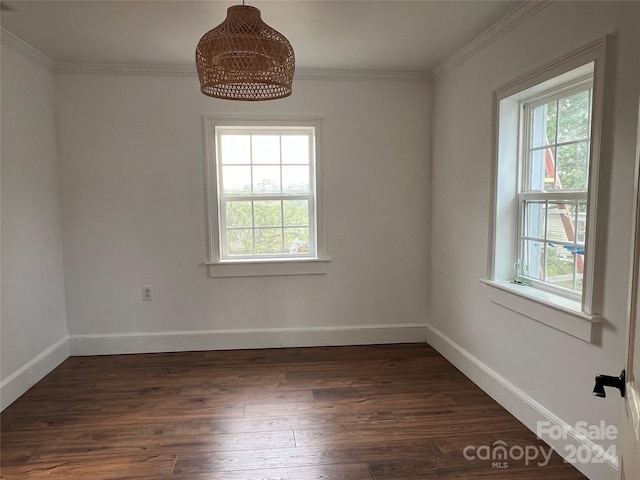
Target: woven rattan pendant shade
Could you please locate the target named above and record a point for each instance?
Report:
(243, 58)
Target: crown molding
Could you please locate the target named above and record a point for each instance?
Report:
(126, 69)
(21, 47)
(328, 74)
(190, 71)
(507, 23)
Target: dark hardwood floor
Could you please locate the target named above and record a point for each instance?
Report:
(383, 412)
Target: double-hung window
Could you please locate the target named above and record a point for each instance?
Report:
(544, 259)
(554, 187)
(264, 190)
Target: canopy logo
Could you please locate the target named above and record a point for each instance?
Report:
(498, 454)
(587, 451)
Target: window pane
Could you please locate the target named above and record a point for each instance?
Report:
(296, 240)
(296, 213)
(295, 179)
(295, 149)
(240, 241)
(266, 179)
(552, 121)
(236, 180)
(572, 165)
(269, 240)
(543, 125)
(266, 149)
(532, 259)
(581, 229)
(238, 214)
(560, 266)
(561, 222)
(539, 179)
(235, 149)
(573, 117)
(267, 213)
(534, 213)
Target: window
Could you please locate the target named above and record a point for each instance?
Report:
(264, 202)
(554, 187)
(545, 218)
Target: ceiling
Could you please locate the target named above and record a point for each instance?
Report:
(392, 35)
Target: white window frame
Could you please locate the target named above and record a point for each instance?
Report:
(576, 316)
(220, 265)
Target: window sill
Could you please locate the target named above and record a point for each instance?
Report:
(555, 311)
(268, 268)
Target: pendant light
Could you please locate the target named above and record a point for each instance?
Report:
(243, 58)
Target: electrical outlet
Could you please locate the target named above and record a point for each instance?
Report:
(147, 292)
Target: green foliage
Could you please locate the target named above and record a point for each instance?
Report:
(573, 117)
(569, 116)
(267, 213)
(268, 240)
(239, 214)
(272, 234)
(572, 164)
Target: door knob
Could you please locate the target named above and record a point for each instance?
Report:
(609, 381)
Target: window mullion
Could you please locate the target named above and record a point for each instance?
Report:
(555, 242)
(525, 176)
(253, 212)
(546, 237)
(282, 224)
(223, 225)
(558, 195)
(575, 243)
(240, 198)
(560, 144)
(281, 191)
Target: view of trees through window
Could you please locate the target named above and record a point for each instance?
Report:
(266, 192)
(557, 160)
(279, 226)
(560, 132)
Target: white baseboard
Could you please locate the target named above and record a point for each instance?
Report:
(32, 372)
(522, 406)
(108, 344)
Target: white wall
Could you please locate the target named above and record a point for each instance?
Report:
(550, 367)
(134, 213)
(33, 327)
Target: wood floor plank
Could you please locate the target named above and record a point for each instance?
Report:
(170, 443)
(94, 468)
(381, 412)
(443, 468)
(269, 424)
(343, 471)
(385, 401)
(343, 435)
(301, 456)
